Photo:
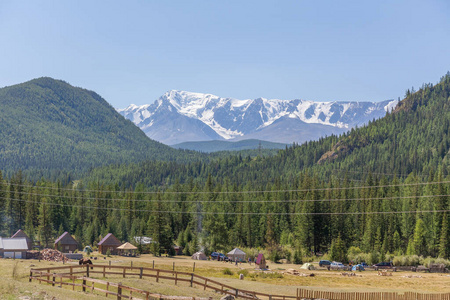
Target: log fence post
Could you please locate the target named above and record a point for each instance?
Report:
(140, 272)
(192, 279)
(157, 276)
(107, 288)
(84, 284)
(31, 274)
(193, 268)
(53, 280)
(87, 270)
(104, 271)
(124, 269)
(119, 291)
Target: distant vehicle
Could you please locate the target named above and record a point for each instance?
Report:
(217, 255)
(364, 264)
(324, 263)
(383, 265)
(337, 266)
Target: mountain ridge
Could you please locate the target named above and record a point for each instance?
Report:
(234, 119)
(48, 126)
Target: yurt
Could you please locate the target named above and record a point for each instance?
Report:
(236, 254)
(199, 256)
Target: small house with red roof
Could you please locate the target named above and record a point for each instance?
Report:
(109, 242)
(66, 243)
(21, 234)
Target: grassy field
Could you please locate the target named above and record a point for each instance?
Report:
(14, 283)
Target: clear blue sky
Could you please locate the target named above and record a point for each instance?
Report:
(134, 51)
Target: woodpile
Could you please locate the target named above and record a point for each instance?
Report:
(53, 255)
(33, 254)
(47, 254)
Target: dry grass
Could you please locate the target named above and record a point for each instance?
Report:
(15, 279)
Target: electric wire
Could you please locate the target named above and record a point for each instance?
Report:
(249, 192)
(234, 213)
(231, 200)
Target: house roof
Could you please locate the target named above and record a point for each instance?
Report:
(143, 240)
(10, 244)
(127, 246)
(66, 239)
(110, 240)
(20, 233)
(236, 251)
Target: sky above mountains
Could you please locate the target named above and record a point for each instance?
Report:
(135, 51)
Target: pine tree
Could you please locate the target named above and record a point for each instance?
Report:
(45, 228)
(444, 246)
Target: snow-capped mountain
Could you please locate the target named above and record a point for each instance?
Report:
(180, 116)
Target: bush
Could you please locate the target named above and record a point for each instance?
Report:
(407, 260)
(275, 253)
(227, 271)
(108, 253)
(298, 260)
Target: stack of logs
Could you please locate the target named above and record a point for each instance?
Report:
(48, 255)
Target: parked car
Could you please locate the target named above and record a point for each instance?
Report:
(383, 265)
(324, 263)
(337, 266)
(218, 256)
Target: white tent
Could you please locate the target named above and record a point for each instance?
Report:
(307, 266)
(199, 256)
(236, 253)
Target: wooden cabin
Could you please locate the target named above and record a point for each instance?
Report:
(109, 242)
(66, 243)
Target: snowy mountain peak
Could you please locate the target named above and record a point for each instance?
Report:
(192, 116)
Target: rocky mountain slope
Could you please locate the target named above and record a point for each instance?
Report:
(180, 116)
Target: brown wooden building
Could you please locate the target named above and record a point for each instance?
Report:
(109, 242)
(66, 243)
(21, 234)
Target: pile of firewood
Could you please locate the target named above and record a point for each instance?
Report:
(53, 255)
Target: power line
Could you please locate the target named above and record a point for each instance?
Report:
(247, 192)
(232, 213)
(179, 201)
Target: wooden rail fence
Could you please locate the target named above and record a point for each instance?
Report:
(70, 276)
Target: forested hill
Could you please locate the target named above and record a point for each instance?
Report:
(48, 126)
(414, 138)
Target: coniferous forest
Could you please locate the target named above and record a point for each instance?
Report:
(383, 188)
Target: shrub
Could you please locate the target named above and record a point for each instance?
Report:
(298, 257)
(227, 271)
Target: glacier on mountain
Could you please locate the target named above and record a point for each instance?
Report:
(180, 116)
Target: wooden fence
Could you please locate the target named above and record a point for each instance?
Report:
(70, 275)
(310, 294)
